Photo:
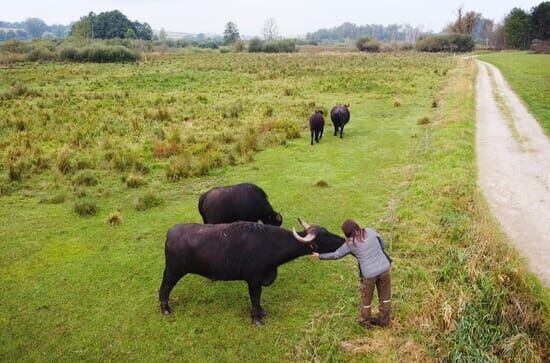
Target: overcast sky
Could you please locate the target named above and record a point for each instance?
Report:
(293, 17)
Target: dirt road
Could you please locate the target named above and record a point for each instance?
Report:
(513, 159)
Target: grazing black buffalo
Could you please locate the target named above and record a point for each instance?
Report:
(316, 125)
(340, 117)
(241, 202)
(238, 251)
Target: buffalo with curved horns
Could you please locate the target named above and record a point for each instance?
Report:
(238, 251)
(240, 202)
(340, 117)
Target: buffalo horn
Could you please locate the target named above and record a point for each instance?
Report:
(307, 239)
(303, 223)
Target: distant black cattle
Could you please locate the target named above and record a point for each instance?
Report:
(340, 117)
(238, 251)
(241, 202)
(316, 126)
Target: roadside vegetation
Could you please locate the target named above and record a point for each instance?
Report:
(529, 76)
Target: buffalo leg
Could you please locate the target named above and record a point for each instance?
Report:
(335, 130)
(169, 280)
(320, 134)
(341, 132)
(311, 137)
(255, 291)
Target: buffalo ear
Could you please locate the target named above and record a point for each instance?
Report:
(347, 106)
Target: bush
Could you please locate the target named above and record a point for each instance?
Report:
(446, 43)
(99, 53)
(85, 207)
(256, 45)
(368, 45)
(147, 201)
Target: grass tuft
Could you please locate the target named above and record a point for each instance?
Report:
(86, 178)
(134, 181)
(148, 201)
(424, 120)
(321, 184)
(114, 218)
(85, 207)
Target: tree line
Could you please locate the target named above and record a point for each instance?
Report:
(350, 31)
(518, 29)
(31, 28)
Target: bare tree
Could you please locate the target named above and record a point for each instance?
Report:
(270, 29)
(465, 23)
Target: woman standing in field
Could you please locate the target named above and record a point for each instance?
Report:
(374, 270)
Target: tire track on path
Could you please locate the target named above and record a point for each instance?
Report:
(513, 160)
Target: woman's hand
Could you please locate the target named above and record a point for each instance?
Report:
(314, 254)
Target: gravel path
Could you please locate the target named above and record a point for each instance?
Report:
(513, 159)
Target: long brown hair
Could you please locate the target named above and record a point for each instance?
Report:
(352, 231)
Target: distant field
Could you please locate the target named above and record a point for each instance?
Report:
(529, 76)
(77, 288)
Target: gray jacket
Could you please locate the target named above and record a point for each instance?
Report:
(370, 253)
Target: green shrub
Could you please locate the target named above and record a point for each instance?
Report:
(446, 43)
(280, 46)
(16, 46)
(255, 45)
(85, 207)
(98, 53)
(368, 45)
(86, 178)
(147, 201)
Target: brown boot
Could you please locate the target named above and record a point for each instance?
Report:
(383, 286)
(367, 291)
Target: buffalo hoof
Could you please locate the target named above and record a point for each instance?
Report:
(165, 309)
(258, 321)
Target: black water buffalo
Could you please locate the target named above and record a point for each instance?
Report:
(340, 117)
(238, 251)
(241, 202)
(316, 125)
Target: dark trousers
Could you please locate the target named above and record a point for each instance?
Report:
(383, 286)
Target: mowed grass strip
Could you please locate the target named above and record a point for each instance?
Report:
(529, 76)
(79, 288)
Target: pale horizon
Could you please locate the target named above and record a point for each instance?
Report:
(293, 18)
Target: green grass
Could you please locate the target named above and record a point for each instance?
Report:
(529, 76)
(76, 288)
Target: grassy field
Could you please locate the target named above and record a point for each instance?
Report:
(77, 288)
(529, 76)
